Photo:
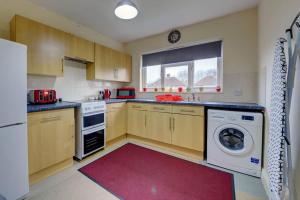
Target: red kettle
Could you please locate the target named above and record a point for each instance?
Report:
(106, 94)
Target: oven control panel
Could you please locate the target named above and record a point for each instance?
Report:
(95, 106)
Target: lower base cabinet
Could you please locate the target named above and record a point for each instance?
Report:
(188, 131)
(181, 126)
(115, 122)
(159, 126)
(51, 138)
(136, 122)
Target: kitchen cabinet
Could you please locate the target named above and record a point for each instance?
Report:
(188, 127)
(80, 49)
(188, 131)
(50, 138)
(116, 123)
(124, 68)
(46, 46)
(110, 65)
(158, 126)
(181, 126)
(136, 118)
(102, 68)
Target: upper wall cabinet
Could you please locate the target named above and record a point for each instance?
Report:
(110, 65)
(124, 71)
(46, 46)
(80, 49)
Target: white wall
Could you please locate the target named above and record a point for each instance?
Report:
(239, 33)
(274, 17)
(73, 85)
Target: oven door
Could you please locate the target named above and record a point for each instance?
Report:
(93, 140)
(93, 120)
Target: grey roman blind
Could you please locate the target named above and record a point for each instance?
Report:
(196, 52)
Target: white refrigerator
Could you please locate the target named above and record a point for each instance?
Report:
(13, 121)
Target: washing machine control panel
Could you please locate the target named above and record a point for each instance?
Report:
(247, 118)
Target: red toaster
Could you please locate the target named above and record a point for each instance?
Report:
(42, 96)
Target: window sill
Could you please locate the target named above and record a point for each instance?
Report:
(160, 92)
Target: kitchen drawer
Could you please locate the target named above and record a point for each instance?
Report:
(189, 110)
(115, 106)
(160, 108)
(51, 115)
(137, 106)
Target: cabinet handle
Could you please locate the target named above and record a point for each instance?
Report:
(50, 119)
(187, 111)
(170, 123)
(116, 73)
(136, 106)
(173, 124)
(145, 120)
(156, 108)
(62, 66)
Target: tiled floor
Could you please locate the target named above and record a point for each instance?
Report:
(71, 184)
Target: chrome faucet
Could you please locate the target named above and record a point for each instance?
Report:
(193, 96)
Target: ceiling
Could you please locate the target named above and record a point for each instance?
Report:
(156, 16)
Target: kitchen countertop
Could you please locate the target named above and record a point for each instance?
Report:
(45, 107)
(208, 104)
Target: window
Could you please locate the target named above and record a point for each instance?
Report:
(152, 77)
(176, 76)
(193, 74)
(206, 73)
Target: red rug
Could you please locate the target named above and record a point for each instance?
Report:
(136, 173)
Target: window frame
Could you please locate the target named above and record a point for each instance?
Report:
(191, 70)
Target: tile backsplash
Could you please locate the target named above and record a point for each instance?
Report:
(73, 85)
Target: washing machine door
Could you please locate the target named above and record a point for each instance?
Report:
(233, 139)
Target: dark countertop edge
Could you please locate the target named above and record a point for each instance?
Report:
(218, 105)
(116, 101)
(224, 105)
(46, 107)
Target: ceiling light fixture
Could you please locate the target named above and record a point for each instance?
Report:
(126, 9)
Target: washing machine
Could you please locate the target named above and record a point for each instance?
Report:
(234, 140)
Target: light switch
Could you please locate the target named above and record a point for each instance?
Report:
(238, 92)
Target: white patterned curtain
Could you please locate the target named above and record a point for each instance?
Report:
(276, 143)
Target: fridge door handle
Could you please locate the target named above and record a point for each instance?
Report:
(16, 124)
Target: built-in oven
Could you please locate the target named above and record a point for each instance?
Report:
(92, 140)
(92, 120)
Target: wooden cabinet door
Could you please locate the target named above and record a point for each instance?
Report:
(116, 124)
(188, 131)
(136, 122)
(46, 46)
(158, 126)
(110, 65)
(121, 66)
(109, 126)
(124, 71)
(81, 49)
(51, 138)
(121, 123)
(102, 68)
